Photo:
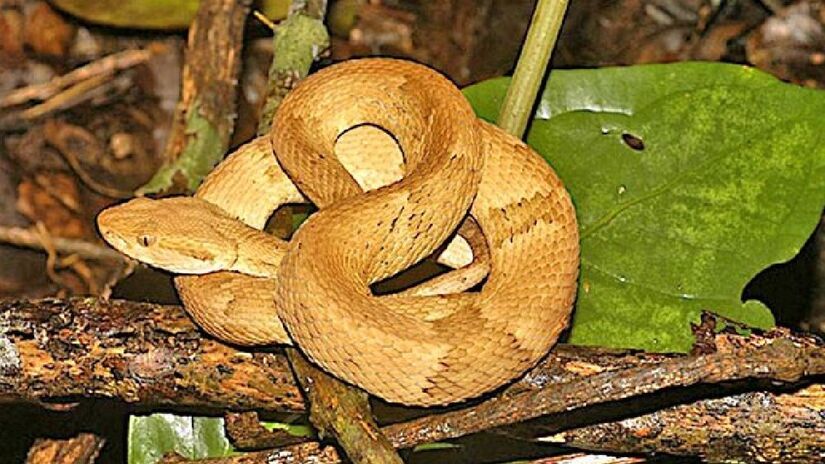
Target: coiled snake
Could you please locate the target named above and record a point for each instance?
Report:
(433, 344)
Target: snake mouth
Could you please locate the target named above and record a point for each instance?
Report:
(115, 240)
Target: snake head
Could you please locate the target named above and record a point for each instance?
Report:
(183, 235)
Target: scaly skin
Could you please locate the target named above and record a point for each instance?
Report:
(420, 347)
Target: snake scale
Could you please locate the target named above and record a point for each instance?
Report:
(397, 163)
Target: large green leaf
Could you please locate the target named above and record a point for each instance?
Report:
(150, 437)
(688, 180)
(152, 14)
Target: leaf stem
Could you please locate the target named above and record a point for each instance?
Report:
(532, 65)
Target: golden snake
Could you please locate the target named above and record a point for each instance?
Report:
(433, 344)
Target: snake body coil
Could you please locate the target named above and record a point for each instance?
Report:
(418, 347)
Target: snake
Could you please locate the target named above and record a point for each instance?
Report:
(401, 170)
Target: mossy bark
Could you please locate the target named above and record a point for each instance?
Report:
(205, 116)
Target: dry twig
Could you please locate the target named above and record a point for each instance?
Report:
(103, 67)
(31, 238)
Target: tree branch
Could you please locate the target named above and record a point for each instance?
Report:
(135, 352)
(82, 449)
(153, 354)
(299, 41)
(344, 412)
(205, 116)
(749, 427)
(778, 356)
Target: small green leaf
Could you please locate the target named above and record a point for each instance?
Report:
(150, 437)
(435, 446)
(296, 430)
(688, 180)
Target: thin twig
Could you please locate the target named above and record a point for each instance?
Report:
(30, 238)
(263, 19)
(103, 66)
(774, 6)
(94, 87)
(517, 108)
(77, 93)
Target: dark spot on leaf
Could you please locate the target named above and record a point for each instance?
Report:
(633, 141)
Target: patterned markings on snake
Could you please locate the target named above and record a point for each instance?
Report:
(418, 347)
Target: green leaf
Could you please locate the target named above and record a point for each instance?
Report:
(726, 178)
(435, 446)
(296, 430)
(152, 14)
(150, 437)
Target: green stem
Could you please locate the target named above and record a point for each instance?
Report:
(297, 43)
(532, 65)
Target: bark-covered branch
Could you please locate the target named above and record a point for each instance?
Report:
(342, 411)
(777, 355)
(299, 41)
(82, 449)
(135, 352)
(205, 116)
(153, 354)
(748, 427)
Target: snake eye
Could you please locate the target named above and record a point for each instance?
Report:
(146, 240)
